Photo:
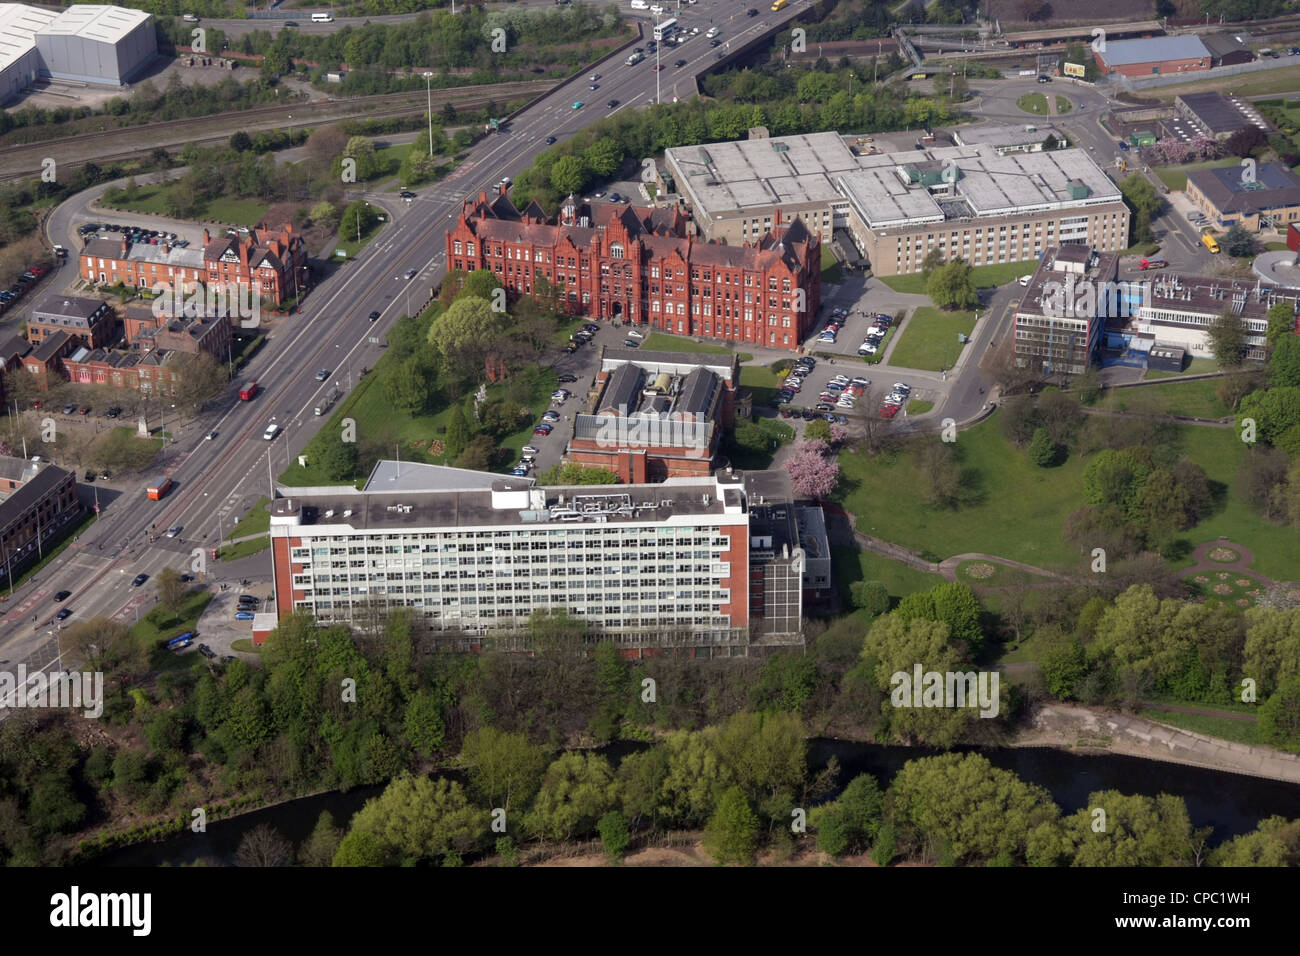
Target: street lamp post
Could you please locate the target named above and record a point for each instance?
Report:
(428, 89)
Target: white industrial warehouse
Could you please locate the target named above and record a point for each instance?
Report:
(95, 44)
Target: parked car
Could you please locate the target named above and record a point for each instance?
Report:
(528, 450)
(568, 377)
(889, 411)
(551, 417)
(631, 344)
(560, 394)
(518, 472)
(243, 615)
(571, 347)
(823, 407)
(591, 327)
(543, 430)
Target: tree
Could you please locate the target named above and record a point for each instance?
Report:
(732, 832)
(604, 157)
(941, 477)
(420, 819)
(569, 175)
(576, 473)
(1275, 411)
(1238, 242)
(263, 846)
(979, 810)
(895, 645)
(458, 433)
(325, 214)
(933, 260)
(1279, 717)
(363, 151)
(478, 454)
(870, 596)
(199, 378)
(1275, 842)
(336, 457)
(576, 791)
(1042, 451)
(951, 286)
(240, 142)
(851, 823)
(1145, 203)
(1194, 484)
(1245, 141)
(1113, 478)
(321, 847)
(411, 384)
(171, 589)
(614, 835)
(1063, 666)
(424, 725)
(816, 430)
(504, 768)
(1281, 321)
(1139, 831)
(813, 473)
(1284, 362)
(464, 334)
(361, 849)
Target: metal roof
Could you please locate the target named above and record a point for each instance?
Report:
(102, 23)
(1153, 50)
(19, 25)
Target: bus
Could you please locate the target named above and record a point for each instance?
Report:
(667, 28)
(158, 488)
(247, 391)
(1210, 242)
(779, 4)
(322, 18)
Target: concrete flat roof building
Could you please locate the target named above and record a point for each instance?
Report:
(970, 201)
(1026, 138)
(1177, 309)
(1064, 310)
(696, 563)
(1228, 198)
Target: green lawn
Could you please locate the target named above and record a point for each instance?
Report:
(919, 407)
(1197, 366)
(243, 549)
(350, 245)
(1234, 590)
(984, 277)
(1019, 510)
(990, 574)
(1225, 728)
(1063, 105)
(245, 645)
(1196, 399)
(1175, 177)
(152, 200)
(830, 265)
(749, 460)
(850, 564)
(257, 521)
(663, 342)
(121, 447)
(1281, 80)
(930, 339)
(761, 381)
(159, 625)
(1033, 103)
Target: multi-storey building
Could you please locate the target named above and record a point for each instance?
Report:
(1267, 194)
(1179, 309)
(1004, 200)
(37, 502)
(1064, 311)
(693, 563)
(90, 321)
(638, 265)
(206, 335)
(273, 266)
(655, 415)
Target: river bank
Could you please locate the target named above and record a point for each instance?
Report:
(1088, 731)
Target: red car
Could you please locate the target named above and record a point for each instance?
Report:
(38, 270)
(889, 411)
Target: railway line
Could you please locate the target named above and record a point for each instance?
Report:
(22, 160)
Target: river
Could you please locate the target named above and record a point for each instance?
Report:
(1230, 803)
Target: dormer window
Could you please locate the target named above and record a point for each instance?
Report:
(616, 250)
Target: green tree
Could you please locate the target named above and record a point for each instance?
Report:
(1279, 717)
(1281, 321)
(240, 142)
(641, 778)
(1113, 478)
(870, 596)
(465, 333)
(577, 789)
(613, 689)
(954, 604)
(417, 818)
(1275, 842)
(363, 151)
(325, 214)
(458, 433)
(569, 175)
(1063, 666)
(171, 589)
(478, 454)
(1138, 831)
(336, 457)
(359, 218)
(323, 844)
(816, 430)
(732, 832)
(1238, 242)
(1272, 648)
(1284, 361)
(980, 810)
(1144, 202)
(951, 286)
(885, 849)
(504, 768)
(424, 725)
(604, 157)
(1042, 451)
(1227, 338)
(895, 644)
(410, 385)
(614, 835)
(576, 473)
(695, 776)
(361, 849)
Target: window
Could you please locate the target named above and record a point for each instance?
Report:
(616, 250)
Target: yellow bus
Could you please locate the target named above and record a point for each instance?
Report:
(1210, 242)
(779, 4)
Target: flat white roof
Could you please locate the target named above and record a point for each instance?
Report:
(19, 24)
(96, 22)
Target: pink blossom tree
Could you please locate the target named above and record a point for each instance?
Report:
(839, 435)
(1205, 146)
(813, 473)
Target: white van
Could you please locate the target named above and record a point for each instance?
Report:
(640, 4)
(271, 431)
(322, 18)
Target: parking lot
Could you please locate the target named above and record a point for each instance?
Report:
(862, 298)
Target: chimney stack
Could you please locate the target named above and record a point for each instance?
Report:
(124, 248)
(206, 238)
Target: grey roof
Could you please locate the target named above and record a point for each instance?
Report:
(1218, 113)
(99, 22)
(1154, 50)
(52, 345)
(391, 475)
(69, 310)
(698, 393)
(17, 469)
(16, 506)
(1276, 186)
(1221, 44)
(1005, 135)
(724, 364)
(622, 390)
